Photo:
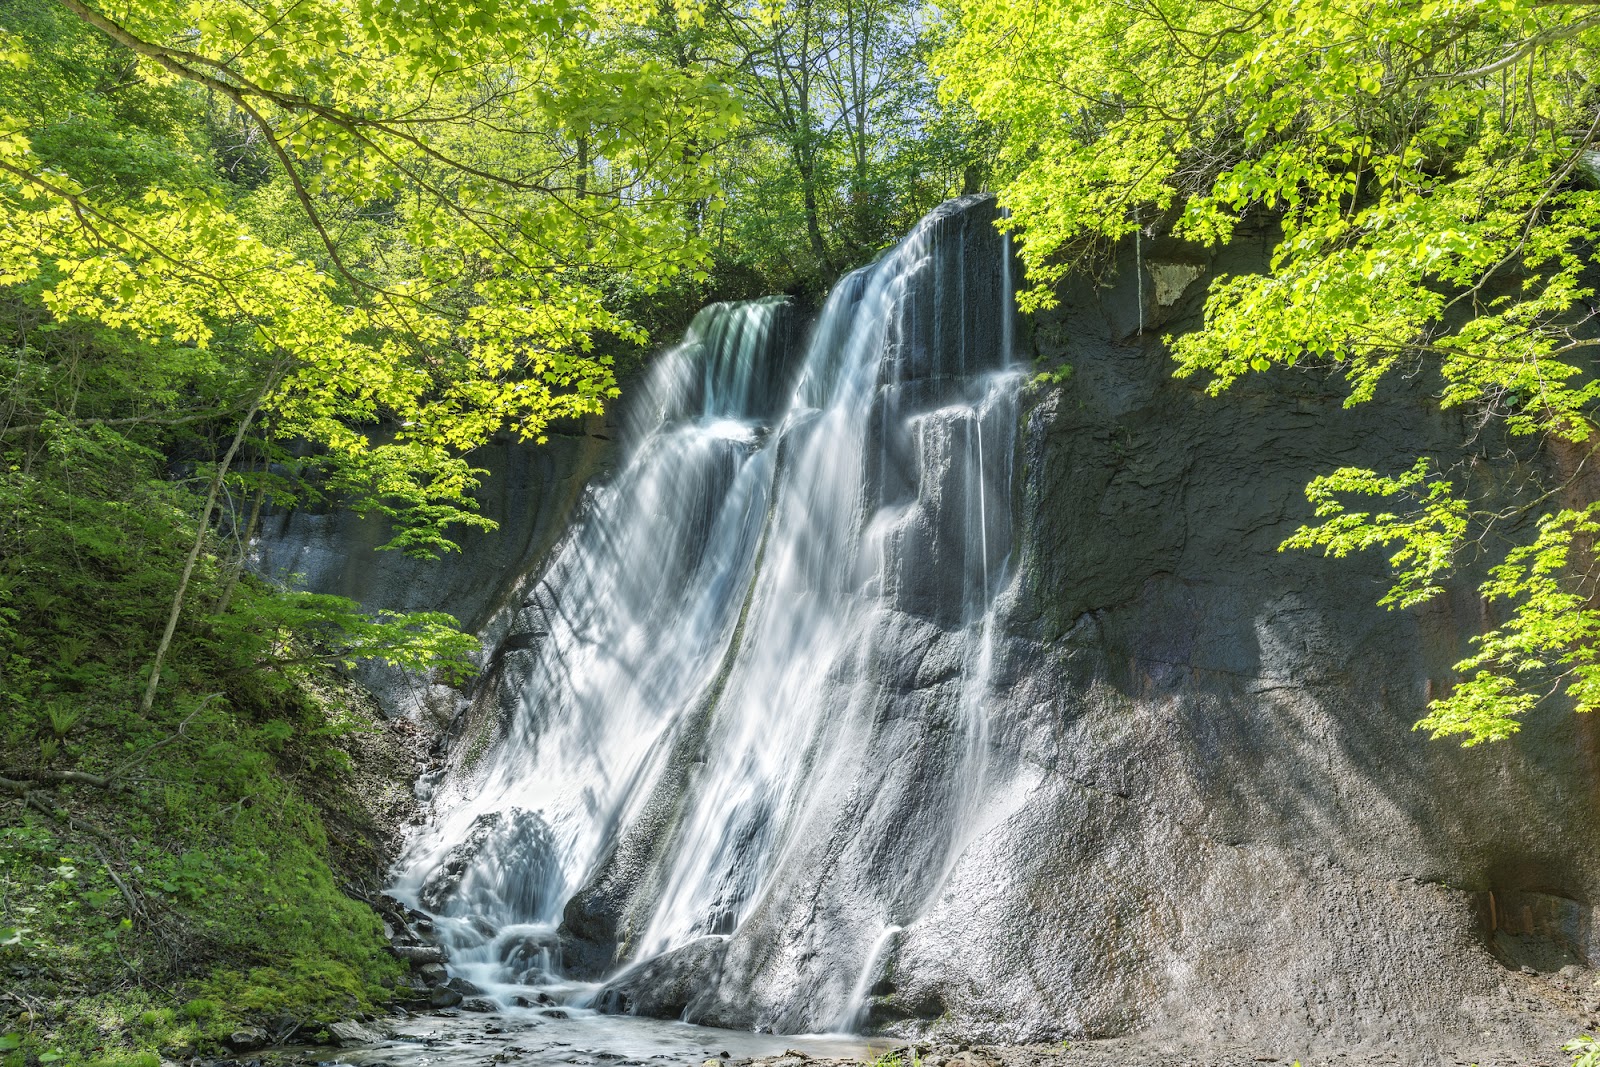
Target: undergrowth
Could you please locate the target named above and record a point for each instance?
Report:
(204, 898)
(167, 876)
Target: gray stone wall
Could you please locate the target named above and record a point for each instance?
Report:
(530, 491)
(1216, 820)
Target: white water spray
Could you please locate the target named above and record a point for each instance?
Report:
(794, 571)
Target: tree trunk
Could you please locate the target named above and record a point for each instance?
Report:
(583, 165)
(154, 683)
(244, 551)
(808, 192)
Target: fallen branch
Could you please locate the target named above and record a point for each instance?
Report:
(33, 1010)
(134, 905)
(286, 1031)
(20, 783)
(34, 799)
(139, 757)
(70, 778)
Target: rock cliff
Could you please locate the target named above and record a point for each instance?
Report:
(1203, 812)
(1218, 821)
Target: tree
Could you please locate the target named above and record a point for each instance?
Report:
(842, 142)
(510, 156)
(1429, 163)
(451, 188)
(783, 54)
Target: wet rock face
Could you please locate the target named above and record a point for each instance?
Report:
(507, 862)
(531, 492)
(1211, 814)
(1203, 811)
(679, 984)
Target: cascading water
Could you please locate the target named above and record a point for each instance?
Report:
(790, 582)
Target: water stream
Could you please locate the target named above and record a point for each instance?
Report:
(793, 574)
(580, 1039)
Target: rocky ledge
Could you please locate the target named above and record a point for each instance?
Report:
(1116, 1052)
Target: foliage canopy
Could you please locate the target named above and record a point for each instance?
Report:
(1430, 170)
(448, 186)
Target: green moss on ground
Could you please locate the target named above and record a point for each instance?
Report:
(202, 896)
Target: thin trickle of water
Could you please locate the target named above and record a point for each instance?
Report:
(854, 1014)
(723, 653)
(983, 517)
(1138, 271)
(1008, 287)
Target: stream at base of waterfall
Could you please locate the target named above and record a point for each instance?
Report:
(792, 576)
(580, 1038)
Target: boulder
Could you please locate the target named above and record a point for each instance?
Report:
(346, 1034)
(530, 956)
(538, 1000)
(670, 986)
(443, 997)
(418, 955)
(247, 1039)
(482, 1005)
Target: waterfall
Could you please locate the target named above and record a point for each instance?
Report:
(789, 583)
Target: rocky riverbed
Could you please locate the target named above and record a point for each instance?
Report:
(568, 1037)
(548, 1037)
